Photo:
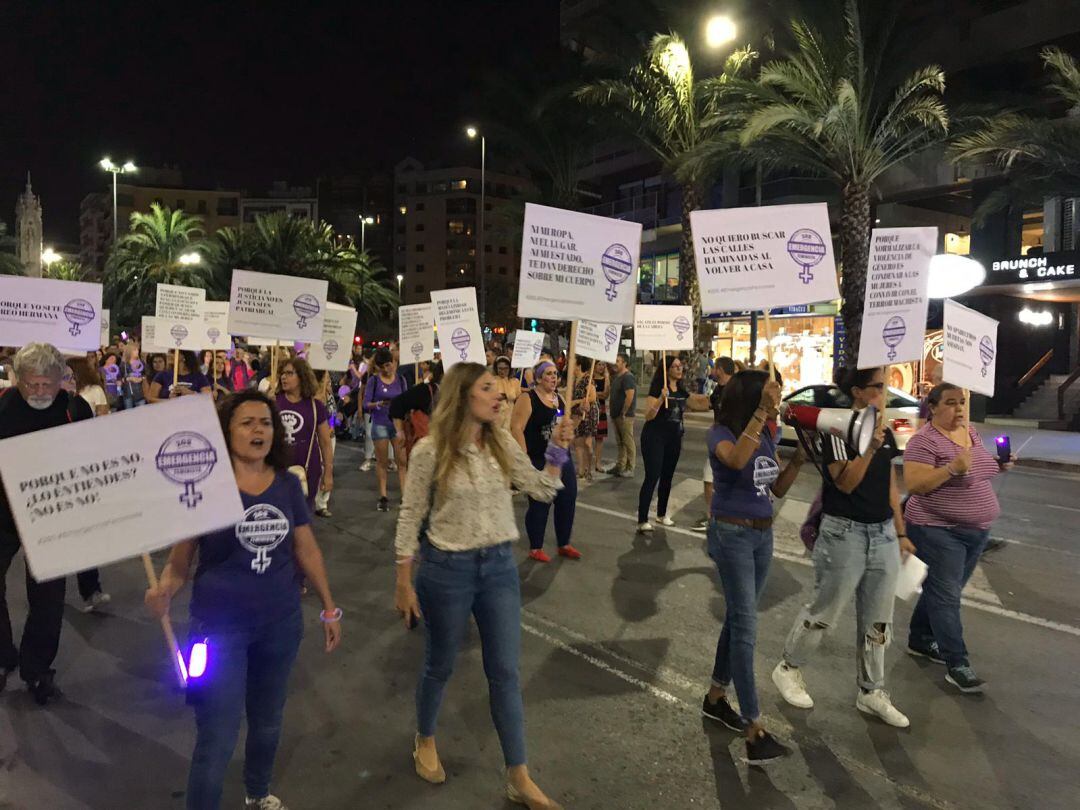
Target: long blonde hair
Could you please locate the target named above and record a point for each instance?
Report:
(450, 423)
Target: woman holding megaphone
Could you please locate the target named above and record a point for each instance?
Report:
(856, 553)
(746, 476)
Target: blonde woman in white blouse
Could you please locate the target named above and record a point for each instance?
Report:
(460, 479)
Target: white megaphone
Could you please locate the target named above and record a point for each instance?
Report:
(854, 427)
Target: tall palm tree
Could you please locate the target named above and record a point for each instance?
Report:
(663, 105)
(360, 281)
(828, 110)
(1039, 157)
(9, 264)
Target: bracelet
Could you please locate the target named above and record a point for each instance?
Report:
(556, 456)
(334, 616)
(751, 437)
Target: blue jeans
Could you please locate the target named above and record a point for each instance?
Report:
(743, 556)
(851, 559)
(485, 583)
(565, 503)
(247, 669)
(950, 553)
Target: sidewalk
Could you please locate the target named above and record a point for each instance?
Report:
(1032, 447)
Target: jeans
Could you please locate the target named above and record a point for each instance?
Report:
(661, 444)
(743, 556)
(624, 437)
(247, 670)
(450, 586)
(851, 559)
(89, 583)
(565, 503)
(41, 633)
(950, 553)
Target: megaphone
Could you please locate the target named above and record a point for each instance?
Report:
(854, 427)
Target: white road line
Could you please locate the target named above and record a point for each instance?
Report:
(1063, 508)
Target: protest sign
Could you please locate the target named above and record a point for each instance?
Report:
(458, 322)
(106, 317)
(968, 348)
(599, 341)
(149, 343)
(576, 266)
(216, 325)
(334, 351)
(416, 332)
(663, 327)
(93, 492)
(45, 310)
(179, 314)
(527, 348)
(764, 257)
(277, 307)
(894, 308)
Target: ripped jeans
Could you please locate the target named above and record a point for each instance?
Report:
(851, 558)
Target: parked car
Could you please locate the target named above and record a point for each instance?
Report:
(901, 410)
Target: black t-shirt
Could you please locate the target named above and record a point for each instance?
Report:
(672, 413)
(540, 426)
(869, 501)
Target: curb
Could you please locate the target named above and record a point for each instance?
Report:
(1042, 464)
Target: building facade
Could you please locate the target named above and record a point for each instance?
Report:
(296, 202)
(28, 230)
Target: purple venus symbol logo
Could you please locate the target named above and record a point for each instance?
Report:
(213, 333)
(986, 352)
(306, 306)
(617, 265)
(807, 248)
(681, 325)
(186, 458)
(892, 333)
(611, 336)
(79, 312)
(179, 332)
(330, 347)
(460, 340)
(111, 374)
(417, 349)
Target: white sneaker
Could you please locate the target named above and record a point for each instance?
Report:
(878, 703)
(367, 465)
(391, 466)
(266, 803)
(664, 520)
(99, 599)
(791, 685)
(644, 528)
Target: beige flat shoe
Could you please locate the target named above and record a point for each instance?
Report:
(513, 795)
(436, 775)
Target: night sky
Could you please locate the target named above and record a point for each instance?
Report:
(242, 93)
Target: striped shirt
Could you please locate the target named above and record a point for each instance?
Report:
(963, 500)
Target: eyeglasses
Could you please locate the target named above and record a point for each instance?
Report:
(288, 373)
(879, 386)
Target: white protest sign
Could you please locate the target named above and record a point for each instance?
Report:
(93, 492)
(894, 308)
(216, 325)
(149, 343)
(764, 257)
(663, 327)
(45, 310)
(179, 314)
(105, 318)
(277, 307)
(968, 348)
(334, 351)
(527, 348)
(576, 266)
(600, 341)
(458, 322)
(416, 332)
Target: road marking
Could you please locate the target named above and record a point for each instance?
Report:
(1063, 508)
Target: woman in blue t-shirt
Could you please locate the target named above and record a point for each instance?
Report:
(746, 476)
(245, 605)
(189, 380)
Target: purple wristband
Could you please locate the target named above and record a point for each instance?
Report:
(556, 456)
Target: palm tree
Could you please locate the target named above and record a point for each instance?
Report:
(360, 281)
(65, 270)
(1039, 157)
(825, 109)
(9, 264)
(669, 111)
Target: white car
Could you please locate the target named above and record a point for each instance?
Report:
(901, 411)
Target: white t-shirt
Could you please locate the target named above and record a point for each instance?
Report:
(95, 395)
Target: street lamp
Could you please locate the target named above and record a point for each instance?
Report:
(49, 257)
(473, 133)
(364, 222)
(190, 258)
(109, 166)
(719, 31)
(400, 278)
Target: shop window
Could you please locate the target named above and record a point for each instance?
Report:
(1032, 230)
(958, 243)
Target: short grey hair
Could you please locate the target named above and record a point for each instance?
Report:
(39, 360)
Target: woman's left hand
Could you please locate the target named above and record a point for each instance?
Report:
(332, 633)
(906, 547)
(327, 484)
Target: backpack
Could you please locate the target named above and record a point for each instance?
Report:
(417, 423)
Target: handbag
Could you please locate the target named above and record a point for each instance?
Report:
(301, 471)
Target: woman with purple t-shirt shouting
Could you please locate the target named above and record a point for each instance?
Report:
(306, 425)
(381, 388)
(245, 607)
(746, 476)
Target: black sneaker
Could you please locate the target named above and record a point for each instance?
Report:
(965, 679)
(701, 526)
(44, 689)
(764, 749)
(931, 651)
(383, 505)
(722, 712)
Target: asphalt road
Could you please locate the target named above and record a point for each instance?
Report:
(617, 652)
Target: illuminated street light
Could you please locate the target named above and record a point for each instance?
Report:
(719, 31)
(50, 256)
(128, 167)
(364, 222)
(474, 133)
(190, 258)
(952, 275)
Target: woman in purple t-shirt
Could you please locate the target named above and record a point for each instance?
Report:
(306, 425)
(746, 476)
(382, 386)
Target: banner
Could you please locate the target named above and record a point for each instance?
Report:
(527, 348)
(334, 351)
(216, 325)
(179, 314)
(93, 492)
(44, 310)
(894, 308)
(576, 266)
(149, 344)
(968, 348)
(416, 333)
(277, 307)
(106, 317)
(458, 322)
(768, 256)
(663, 327)
(599, 341)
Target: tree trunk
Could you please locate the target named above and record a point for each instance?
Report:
(691, 294)
(854, 256)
